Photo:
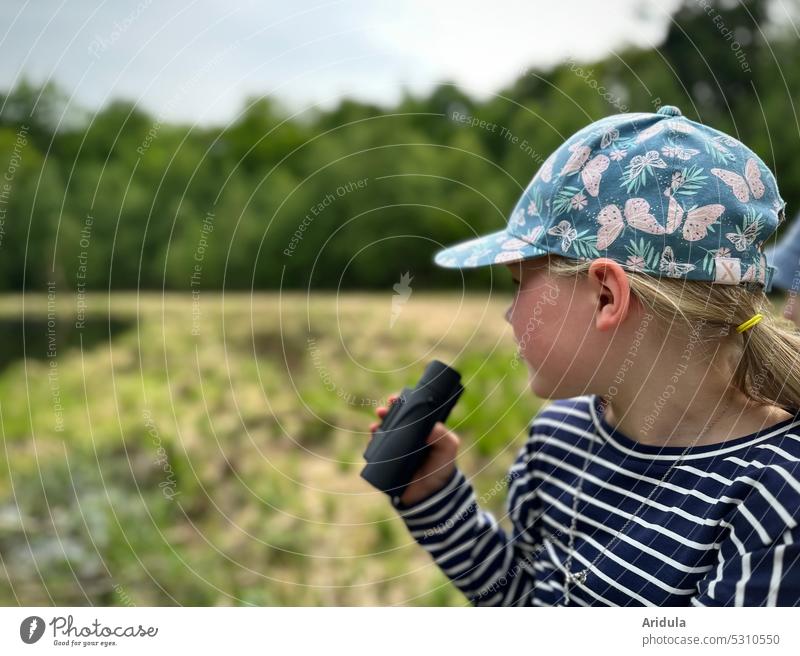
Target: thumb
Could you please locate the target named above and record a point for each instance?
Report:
(442, 438)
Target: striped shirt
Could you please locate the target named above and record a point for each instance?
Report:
(722, 530)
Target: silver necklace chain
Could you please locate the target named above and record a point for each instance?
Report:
(582, 575)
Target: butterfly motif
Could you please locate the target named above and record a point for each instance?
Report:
(592, 173)
(716, 143)
(580, 154)
(591, 170)
(640, 162)
(679, 126)
(672, 268)
(513, 244)
(611, 224)
(637, 214)
(566, 231)
(679, 152)
(610, 135)
(546, 172)
(728, 140)
(472, 260)
(742, 187)
(532, 235)
(697, 221)
(656, 128)
(743, 240)
(652, 131)
(754, 273)
(508, 256)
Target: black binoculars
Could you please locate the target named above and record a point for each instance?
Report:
(398, 447)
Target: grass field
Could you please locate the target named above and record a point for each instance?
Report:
(144, 464)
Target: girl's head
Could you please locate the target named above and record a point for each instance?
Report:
(591, 326)
(643, 227)
(791, 308)
(785, 256)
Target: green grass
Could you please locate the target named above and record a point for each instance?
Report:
(262, 440)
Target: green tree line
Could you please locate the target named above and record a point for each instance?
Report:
(352, 196)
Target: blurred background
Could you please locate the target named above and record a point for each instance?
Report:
(217, 225)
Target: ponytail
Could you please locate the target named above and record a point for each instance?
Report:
(769, 369)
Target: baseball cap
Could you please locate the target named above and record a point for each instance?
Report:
(656, 192)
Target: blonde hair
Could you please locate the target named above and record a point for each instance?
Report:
(768, 369)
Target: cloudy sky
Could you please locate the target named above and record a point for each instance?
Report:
(197, 60)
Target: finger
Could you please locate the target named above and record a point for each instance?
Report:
(393, 397)
(381, 411)
(438, 431)
(374, 426)
(441, 436)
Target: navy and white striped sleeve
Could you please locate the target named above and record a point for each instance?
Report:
(758, 562)
(490, 567)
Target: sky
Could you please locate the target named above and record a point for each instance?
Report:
(198, 60)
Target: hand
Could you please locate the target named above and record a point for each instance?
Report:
(437, 467)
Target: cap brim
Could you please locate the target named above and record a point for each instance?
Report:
(495, 248)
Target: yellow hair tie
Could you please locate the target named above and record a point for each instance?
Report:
(752, 321)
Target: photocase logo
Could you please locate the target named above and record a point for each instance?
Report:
(31, 629)
(402, 292)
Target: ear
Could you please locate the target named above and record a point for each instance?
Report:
(609, 284)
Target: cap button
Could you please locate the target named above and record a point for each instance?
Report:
(669, 110)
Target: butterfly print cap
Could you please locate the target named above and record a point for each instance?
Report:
(656, 192)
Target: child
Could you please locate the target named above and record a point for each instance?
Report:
(666, 469)
(786, 258)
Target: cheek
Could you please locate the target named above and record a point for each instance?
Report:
(517, 314)
(551, 334)
(533, 318)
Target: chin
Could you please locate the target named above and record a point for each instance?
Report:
(539, 386)
(545, 389)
